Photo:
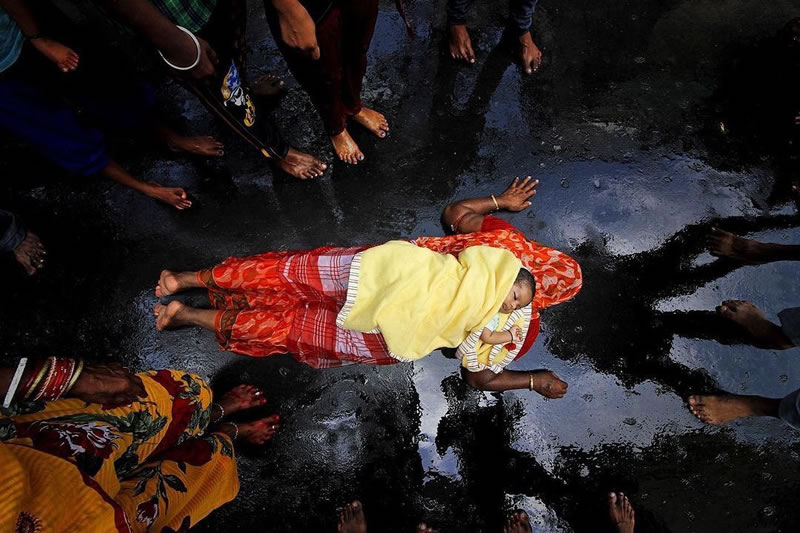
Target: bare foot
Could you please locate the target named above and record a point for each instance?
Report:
(548, 384)
(168, 316)
(267, 86)
(260, 431)
(168, 284)
(240, 398)
(30, 254)
(351, 519)
(518, 522)
(422, 527)
(63, 56)
(461, 44)
(206, 146)
(529, 54)
(373, 121)
(301, 165)
(764, 333)
(722, 408)
(346, 148)
(621, 512)
(724, 244)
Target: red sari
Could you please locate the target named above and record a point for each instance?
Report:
(287, 302)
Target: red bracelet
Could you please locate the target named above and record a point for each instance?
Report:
(54, 388)
(51, 371)
(36, 369)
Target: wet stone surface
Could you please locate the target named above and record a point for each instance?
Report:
(649, 122)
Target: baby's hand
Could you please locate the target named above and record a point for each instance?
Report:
(516, 334)
(63, 56)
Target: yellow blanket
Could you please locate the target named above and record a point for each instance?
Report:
(420, 300)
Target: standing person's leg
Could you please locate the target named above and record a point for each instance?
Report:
(521, 13)
(322, 78)
(26, 246)
(228, 96)
(359, 18)
(460, 42)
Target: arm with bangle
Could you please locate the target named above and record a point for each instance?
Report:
(466, 216)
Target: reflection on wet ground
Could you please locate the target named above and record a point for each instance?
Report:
(639, 127)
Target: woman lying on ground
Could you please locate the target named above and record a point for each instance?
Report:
(307, 303)
(134, 452)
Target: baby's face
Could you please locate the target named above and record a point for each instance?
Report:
(519, 296)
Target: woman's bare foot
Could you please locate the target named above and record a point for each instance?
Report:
(206, 145)
(63, 56)
(168, 284)
(373, 121)
(725, 244)
(301, 165)
(240, 398)
(461, 44)
(548, 384)
(351, 519)
(422, 527)
(346, 148)
(518, 522)
(621, 512)
(267, 86)
(169, 316)
(529, 54)
(765, 334)
(722, 408)
(260, 431)
(30, 254)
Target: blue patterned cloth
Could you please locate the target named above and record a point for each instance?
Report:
(11, 40)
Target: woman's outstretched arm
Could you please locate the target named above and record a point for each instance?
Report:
(466, 216)
(545, 382)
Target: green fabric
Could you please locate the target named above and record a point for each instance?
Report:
(191, 14)
(11, 40)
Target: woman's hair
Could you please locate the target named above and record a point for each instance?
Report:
(524, 277)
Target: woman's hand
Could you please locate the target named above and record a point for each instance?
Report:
(298, 30)
(64, 57)
(108, 384)
(516, 334)
(174, 196)
(516, 197)
(183, 52)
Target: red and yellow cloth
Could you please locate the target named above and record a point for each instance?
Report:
(72, 466)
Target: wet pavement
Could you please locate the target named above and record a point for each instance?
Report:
(649, 123)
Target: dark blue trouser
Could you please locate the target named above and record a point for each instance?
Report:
(12, 231)
(520, 13)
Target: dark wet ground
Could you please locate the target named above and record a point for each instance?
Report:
(650, 121)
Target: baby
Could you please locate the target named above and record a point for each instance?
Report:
(520, 295)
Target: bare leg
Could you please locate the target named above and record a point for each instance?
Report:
(518, 522)
(461, 44)
(258, 432)
(748, 251)
(171, 282)
(621, 512)
(765, 334)
(176, 315)
(351, 519)
(205, 145)
(722, 408)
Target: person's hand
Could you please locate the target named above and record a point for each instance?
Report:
(64, 57)
(516, 197)
(108, 384)
(516, 334)
(174, 196)
(298, 30)
(207, 66)
(548, 384)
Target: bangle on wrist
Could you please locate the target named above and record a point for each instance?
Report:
(496, 205)
(196, 44)
(530, 383)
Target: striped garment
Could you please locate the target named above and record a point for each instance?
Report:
(191, 14)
